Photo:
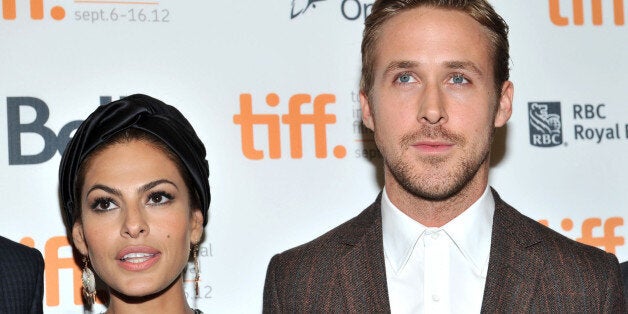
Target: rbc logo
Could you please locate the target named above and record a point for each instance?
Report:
(545, 124)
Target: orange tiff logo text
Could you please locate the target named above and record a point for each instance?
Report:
(9, 10)
(295, 119)
(53, 265)
(605, 237)
(578, 12)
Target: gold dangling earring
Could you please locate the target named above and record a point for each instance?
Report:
(89, 283)
(197, 275)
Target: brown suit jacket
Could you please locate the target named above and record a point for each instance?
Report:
(531, 269)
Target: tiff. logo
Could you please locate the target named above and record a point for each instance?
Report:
(295, 119)
(578, 12)
(596, 232)
(9, 10)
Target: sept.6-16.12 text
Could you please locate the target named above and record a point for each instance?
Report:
(128, 15)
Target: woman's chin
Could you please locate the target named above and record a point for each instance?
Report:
(140, 290)
(135, 291)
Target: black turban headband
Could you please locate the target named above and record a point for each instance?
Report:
(146, 114)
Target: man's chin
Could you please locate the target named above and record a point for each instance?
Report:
(435, 194)
(437, 186)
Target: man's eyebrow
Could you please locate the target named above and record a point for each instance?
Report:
(464, 65)
(403, 64)
(456, 64)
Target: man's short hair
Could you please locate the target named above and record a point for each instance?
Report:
(479, 10)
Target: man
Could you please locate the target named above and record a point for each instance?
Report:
(434, 87)
(21, 278)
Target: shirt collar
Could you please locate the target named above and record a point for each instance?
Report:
(470, 231)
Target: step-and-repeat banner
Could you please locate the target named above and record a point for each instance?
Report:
(236, 68)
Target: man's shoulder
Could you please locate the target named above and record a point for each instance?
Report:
(18, 253)
(565, 275)
(307, 278)
(336, 241)
(326, 249)
(531, 233)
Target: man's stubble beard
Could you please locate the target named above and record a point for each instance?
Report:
(436, 183)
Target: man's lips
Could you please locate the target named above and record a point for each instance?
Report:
(433, 146)
(137, 258)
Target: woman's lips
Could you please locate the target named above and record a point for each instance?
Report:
(138, 258)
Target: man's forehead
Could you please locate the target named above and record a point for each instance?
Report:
(452, 35)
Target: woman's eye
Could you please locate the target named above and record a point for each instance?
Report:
(103, 204)
(158, 198)
(405, 78)
(458, 79)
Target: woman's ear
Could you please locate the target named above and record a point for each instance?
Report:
(78, 236)
(196, 227)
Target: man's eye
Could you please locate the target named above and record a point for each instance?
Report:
(405, 78)
(458, 79)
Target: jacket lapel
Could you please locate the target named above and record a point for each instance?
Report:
(361, 280)
(512, 270)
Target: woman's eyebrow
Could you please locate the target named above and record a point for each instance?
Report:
(155, 183)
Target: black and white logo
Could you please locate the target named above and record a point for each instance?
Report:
(351, 10)
(301, 6)
(545, 124)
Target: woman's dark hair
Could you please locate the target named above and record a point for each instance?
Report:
(136, 117)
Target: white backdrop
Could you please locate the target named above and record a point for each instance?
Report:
(60, 57)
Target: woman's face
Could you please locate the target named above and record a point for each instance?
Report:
(137, 224)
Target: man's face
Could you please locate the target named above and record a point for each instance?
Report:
(433, 105)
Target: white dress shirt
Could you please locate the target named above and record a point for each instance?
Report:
(437, 270)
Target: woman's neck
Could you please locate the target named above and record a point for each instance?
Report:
(171, 300)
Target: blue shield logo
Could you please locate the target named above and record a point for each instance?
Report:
(546, 128)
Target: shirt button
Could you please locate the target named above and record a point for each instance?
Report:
(435, 235)
(435, 298)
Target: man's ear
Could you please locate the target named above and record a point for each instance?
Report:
(504, 110)
(196, 227)
(78, 236)
(367, 113)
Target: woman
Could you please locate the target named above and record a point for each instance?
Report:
(135, 191)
